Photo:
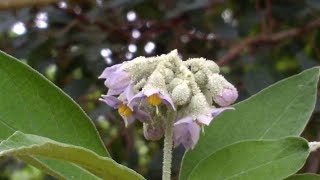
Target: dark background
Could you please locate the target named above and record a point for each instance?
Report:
(256, 43)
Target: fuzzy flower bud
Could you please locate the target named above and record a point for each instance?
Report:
(174, 83)
(228, 96)
(222, 92)
(198, 105)
(152, 132)
(181, 94)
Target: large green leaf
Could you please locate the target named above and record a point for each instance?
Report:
(53, 167)
(32, 145)
(31, 104)
(259, 160)
(281, 110)
(307, 176)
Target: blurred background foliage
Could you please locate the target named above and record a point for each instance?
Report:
(256, 43)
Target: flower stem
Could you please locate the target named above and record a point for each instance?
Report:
(313, 146)
(167, 149)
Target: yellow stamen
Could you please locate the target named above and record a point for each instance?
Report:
(154, 100)
(124, 110)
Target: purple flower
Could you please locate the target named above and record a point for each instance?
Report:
(129, 114)
(227, 97)
(116, 79)
(153, 97)
(187, 130)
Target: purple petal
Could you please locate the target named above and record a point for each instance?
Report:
(112, 92)
(186, 133)
(141, 115)
(116, 78)
(111, 101)
(151, 91)
(179, 131)
(107, 71)
(129, 93)
(205, 119)
(135, 99)
(194, 130)
(167, 100)
(216, 111)
(228, 96)
(187, 119)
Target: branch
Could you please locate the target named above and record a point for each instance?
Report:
(82, 18)
(8, 4)
(124, 30)
(267, 38)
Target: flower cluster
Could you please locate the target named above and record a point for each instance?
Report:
(147, 89)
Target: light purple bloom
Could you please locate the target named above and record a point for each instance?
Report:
(187, 130)
(116, 79)
(143, 97)
(227, 97)
(135, 112)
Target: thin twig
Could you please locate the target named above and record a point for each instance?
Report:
(265, 39)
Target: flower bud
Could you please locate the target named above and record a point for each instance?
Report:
(201, 78)
(198, 105)
(168, 75)
(152, 131)
(228, 96)
(181, 94)
(175, 82)
(212, 66)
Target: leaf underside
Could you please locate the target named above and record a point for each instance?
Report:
(20, 144)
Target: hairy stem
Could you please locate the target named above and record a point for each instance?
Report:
(313, 146)
(167, 149)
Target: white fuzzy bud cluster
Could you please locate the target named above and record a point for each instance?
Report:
(193, 85)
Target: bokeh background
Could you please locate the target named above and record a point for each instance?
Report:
(256, 43)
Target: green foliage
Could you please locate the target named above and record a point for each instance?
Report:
(259, 160)
(67, 52)
(281, 110)
(20, 144)
(31, 104)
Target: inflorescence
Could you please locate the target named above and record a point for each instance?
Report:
(147, 89)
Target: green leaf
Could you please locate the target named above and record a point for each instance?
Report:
(307, 176)
(20, 144)
(281, 110)
(53, 167)
(31, 104)
(274, 159)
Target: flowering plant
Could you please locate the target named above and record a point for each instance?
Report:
(149, 89)
(256, 139)
(166, 93)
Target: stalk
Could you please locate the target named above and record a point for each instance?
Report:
(167, 149)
